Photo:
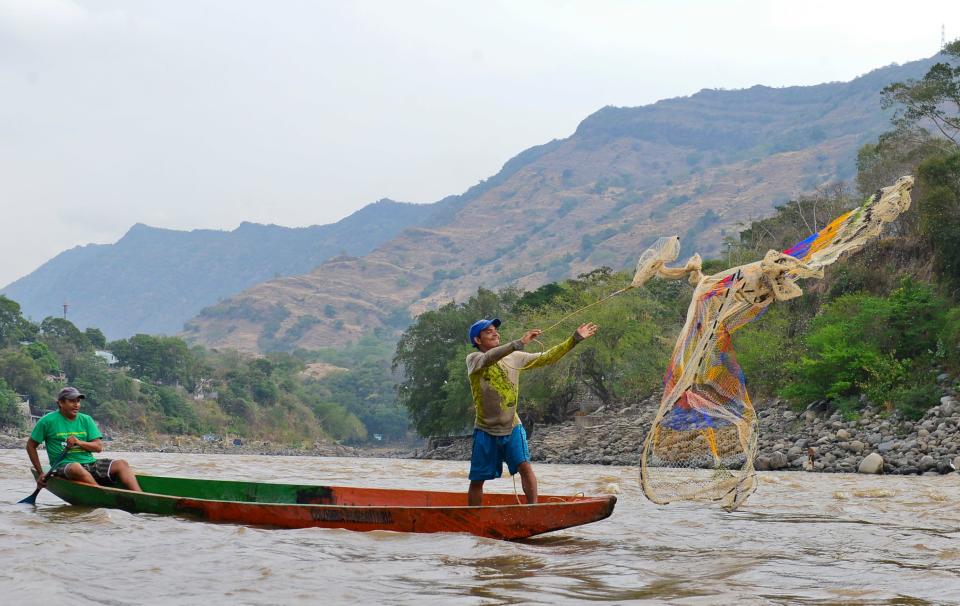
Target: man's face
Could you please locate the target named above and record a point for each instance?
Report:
(69, 407)
(489, 338)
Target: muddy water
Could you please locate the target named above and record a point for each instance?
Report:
(801, 539)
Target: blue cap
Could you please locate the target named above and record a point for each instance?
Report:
(479, 326)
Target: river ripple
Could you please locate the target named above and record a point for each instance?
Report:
(801, 539)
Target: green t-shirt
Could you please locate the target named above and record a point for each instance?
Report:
(53, 429)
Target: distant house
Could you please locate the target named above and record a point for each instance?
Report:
(106, 356)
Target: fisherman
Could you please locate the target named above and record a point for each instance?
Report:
(78, 433)
(494, 373)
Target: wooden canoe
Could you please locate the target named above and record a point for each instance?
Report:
(363, 509)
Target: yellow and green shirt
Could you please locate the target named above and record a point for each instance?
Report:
(54, 429)
(494, 376)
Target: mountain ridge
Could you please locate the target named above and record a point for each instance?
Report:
(153, 279)
(697, 166)
(598, 197)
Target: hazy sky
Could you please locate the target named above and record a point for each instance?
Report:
(205, 113)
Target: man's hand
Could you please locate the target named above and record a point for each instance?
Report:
(587, 330)
(530, 335)
(72, 441)
(42, 480)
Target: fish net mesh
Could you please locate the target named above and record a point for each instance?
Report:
(703, 439)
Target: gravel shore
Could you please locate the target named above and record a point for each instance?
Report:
(893, 444)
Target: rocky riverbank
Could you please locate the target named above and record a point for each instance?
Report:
(876, 442)
(873, 443)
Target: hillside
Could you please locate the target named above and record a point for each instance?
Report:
(698, 166)
(153, 280)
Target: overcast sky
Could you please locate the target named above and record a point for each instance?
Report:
(205, 113)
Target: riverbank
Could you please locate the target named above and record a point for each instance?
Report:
(876, 442)
(888, 443)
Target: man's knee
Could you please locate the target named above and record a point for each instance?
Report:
(119, 465)
(76, 472)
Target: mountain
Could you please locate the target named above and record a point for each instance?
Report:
(153, 280)
(698, 166)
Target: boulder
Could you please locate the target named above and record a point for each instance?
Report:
(778, 460)
(885, 446)
(856, 446)
(843, 434)
(927, 463)
(872, 463)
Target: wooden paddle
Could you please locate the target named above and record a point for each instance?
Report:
(32, 499)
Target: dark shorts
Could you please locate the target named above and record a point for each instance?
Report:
(490, 452)
(99, 469)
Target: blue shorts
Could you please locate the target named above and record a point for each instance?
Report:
(489, 453)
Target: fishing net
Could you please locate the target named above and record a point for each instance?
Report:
(703, 440)
(653, 262)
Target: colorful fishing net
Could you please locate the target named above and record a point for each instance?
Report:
(703, 440)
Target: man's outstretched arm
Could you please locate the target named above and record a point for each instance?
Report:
(491, 356)
(535, 360)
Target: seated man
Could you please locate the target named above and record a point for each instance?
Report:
(78, 433)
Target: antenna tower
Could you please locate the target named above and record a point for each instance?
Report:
(943, 36)
(65, 306)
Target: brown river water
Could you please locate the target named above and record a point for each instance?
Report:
(802, 538)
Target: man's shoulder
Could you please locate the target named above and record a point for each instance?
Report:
(41, 423)
(46, 425)
(48, 418)
(473, 359)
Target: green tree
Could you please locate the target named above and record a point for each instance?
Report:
(165, 359)
(43, 356)
(10, 415)
(13, 327)
(933, 100)
(62, 336)
(894, 154)
(24, 375)
(95, 337)
(879, 346)
(940, 212)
